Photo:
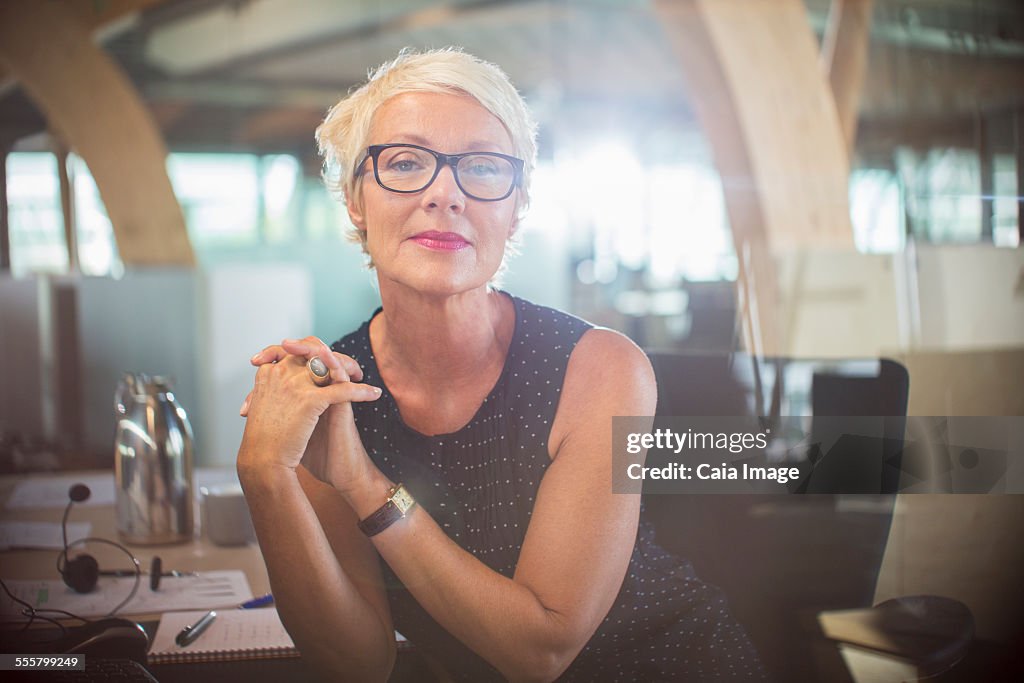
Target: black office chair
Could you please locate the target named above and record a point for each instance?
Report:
(783, 559)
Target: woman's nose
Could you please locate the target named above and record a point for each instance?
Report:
(444, 192)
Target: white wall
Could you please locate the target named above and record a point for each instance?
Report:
(972, 297)
(343, 291)
(242, 308)
(838, 304)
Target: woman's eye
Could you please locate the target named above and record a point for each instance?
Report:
(404, 166)
(482, 168)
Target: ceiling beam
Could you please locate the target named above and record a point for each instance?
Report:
(246, 44)
(237, 93)
(844, 54)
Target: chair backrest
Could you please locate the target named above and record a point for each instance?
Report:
(782, 558)
(868, 463)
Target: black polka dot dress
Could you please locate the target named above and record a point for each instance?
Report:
(480, 483)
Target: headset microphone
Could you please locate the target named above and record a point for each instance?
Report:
(79, 493)
(82, 572)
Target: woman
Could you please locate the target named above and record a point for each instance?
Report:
(453, 480)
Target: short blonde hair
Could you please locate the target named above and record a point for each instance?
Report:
(343, 136)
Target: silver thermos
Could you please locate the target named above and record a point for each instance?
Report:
(153, 462)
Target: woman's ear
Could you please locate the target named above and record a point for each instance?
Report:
(355, 213)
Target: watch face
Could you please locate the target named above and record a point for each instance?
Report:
(402, 500)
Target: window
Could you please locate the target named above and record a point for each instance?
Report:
(876, 211)
(34, 214)
(220, 196)
(1004, 222)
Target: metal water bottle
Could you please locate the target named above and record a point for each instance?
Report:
(153, 462)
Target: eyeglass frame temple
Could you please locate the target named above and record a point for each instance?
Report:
(373, 152)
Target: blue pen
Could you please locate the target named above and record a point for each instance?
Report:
(262, 601)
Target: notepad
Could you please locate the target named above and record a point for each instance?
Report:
(235, 634)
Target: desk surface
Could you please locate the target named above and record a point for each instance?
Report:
(197, 555)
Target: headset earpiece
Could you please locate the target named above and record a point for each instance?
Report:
(81, 573)
(155, 572)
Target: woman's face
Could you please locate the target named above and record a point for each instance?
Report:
(438, 240)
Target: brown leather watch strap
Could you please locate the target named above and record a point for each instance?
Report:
(398, 504)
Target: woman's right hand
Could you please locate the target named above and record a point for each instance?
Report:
(284, 409)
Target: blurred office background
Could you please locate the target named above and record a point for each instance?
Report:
(631, 223)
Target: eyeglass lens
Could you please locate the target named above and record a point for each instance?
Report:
(408, 169)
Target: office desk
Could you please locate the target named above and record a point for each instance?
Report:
(196, 555)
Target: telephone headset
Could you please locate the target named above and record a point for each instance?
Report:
(81, 572)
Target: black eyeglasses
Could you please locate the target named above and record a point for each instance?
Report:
(407, 169)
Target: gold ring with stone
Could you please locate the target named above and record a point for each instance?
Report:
(318, 371)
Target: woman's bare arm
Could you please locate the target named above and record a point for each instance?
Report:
(325, 574)
(323, 584)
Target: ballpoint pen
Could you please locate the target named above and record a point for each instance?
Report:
(189, 634)
(262, 601)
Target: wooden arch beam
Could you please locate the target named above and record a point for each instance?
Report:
(755, 83)
(90, 102)
(844, 55)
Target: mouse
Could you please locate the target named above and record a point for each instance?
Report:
(108, 639)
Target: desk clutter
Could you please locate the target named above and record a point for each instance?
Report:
(83, 595)
(98, 611)
(205, 590)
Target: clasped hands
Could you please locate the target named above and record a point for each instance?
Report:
(292, 421)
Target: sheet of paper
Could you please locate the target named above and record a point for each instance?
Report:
(232, 629)
(44, 535)
(207, 590)
(52, 492)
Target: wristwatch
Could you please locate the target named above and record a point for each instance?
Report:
(399, 502)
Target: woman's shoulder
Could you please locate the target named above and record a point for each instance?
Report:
(605, 357)
(608, 375)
